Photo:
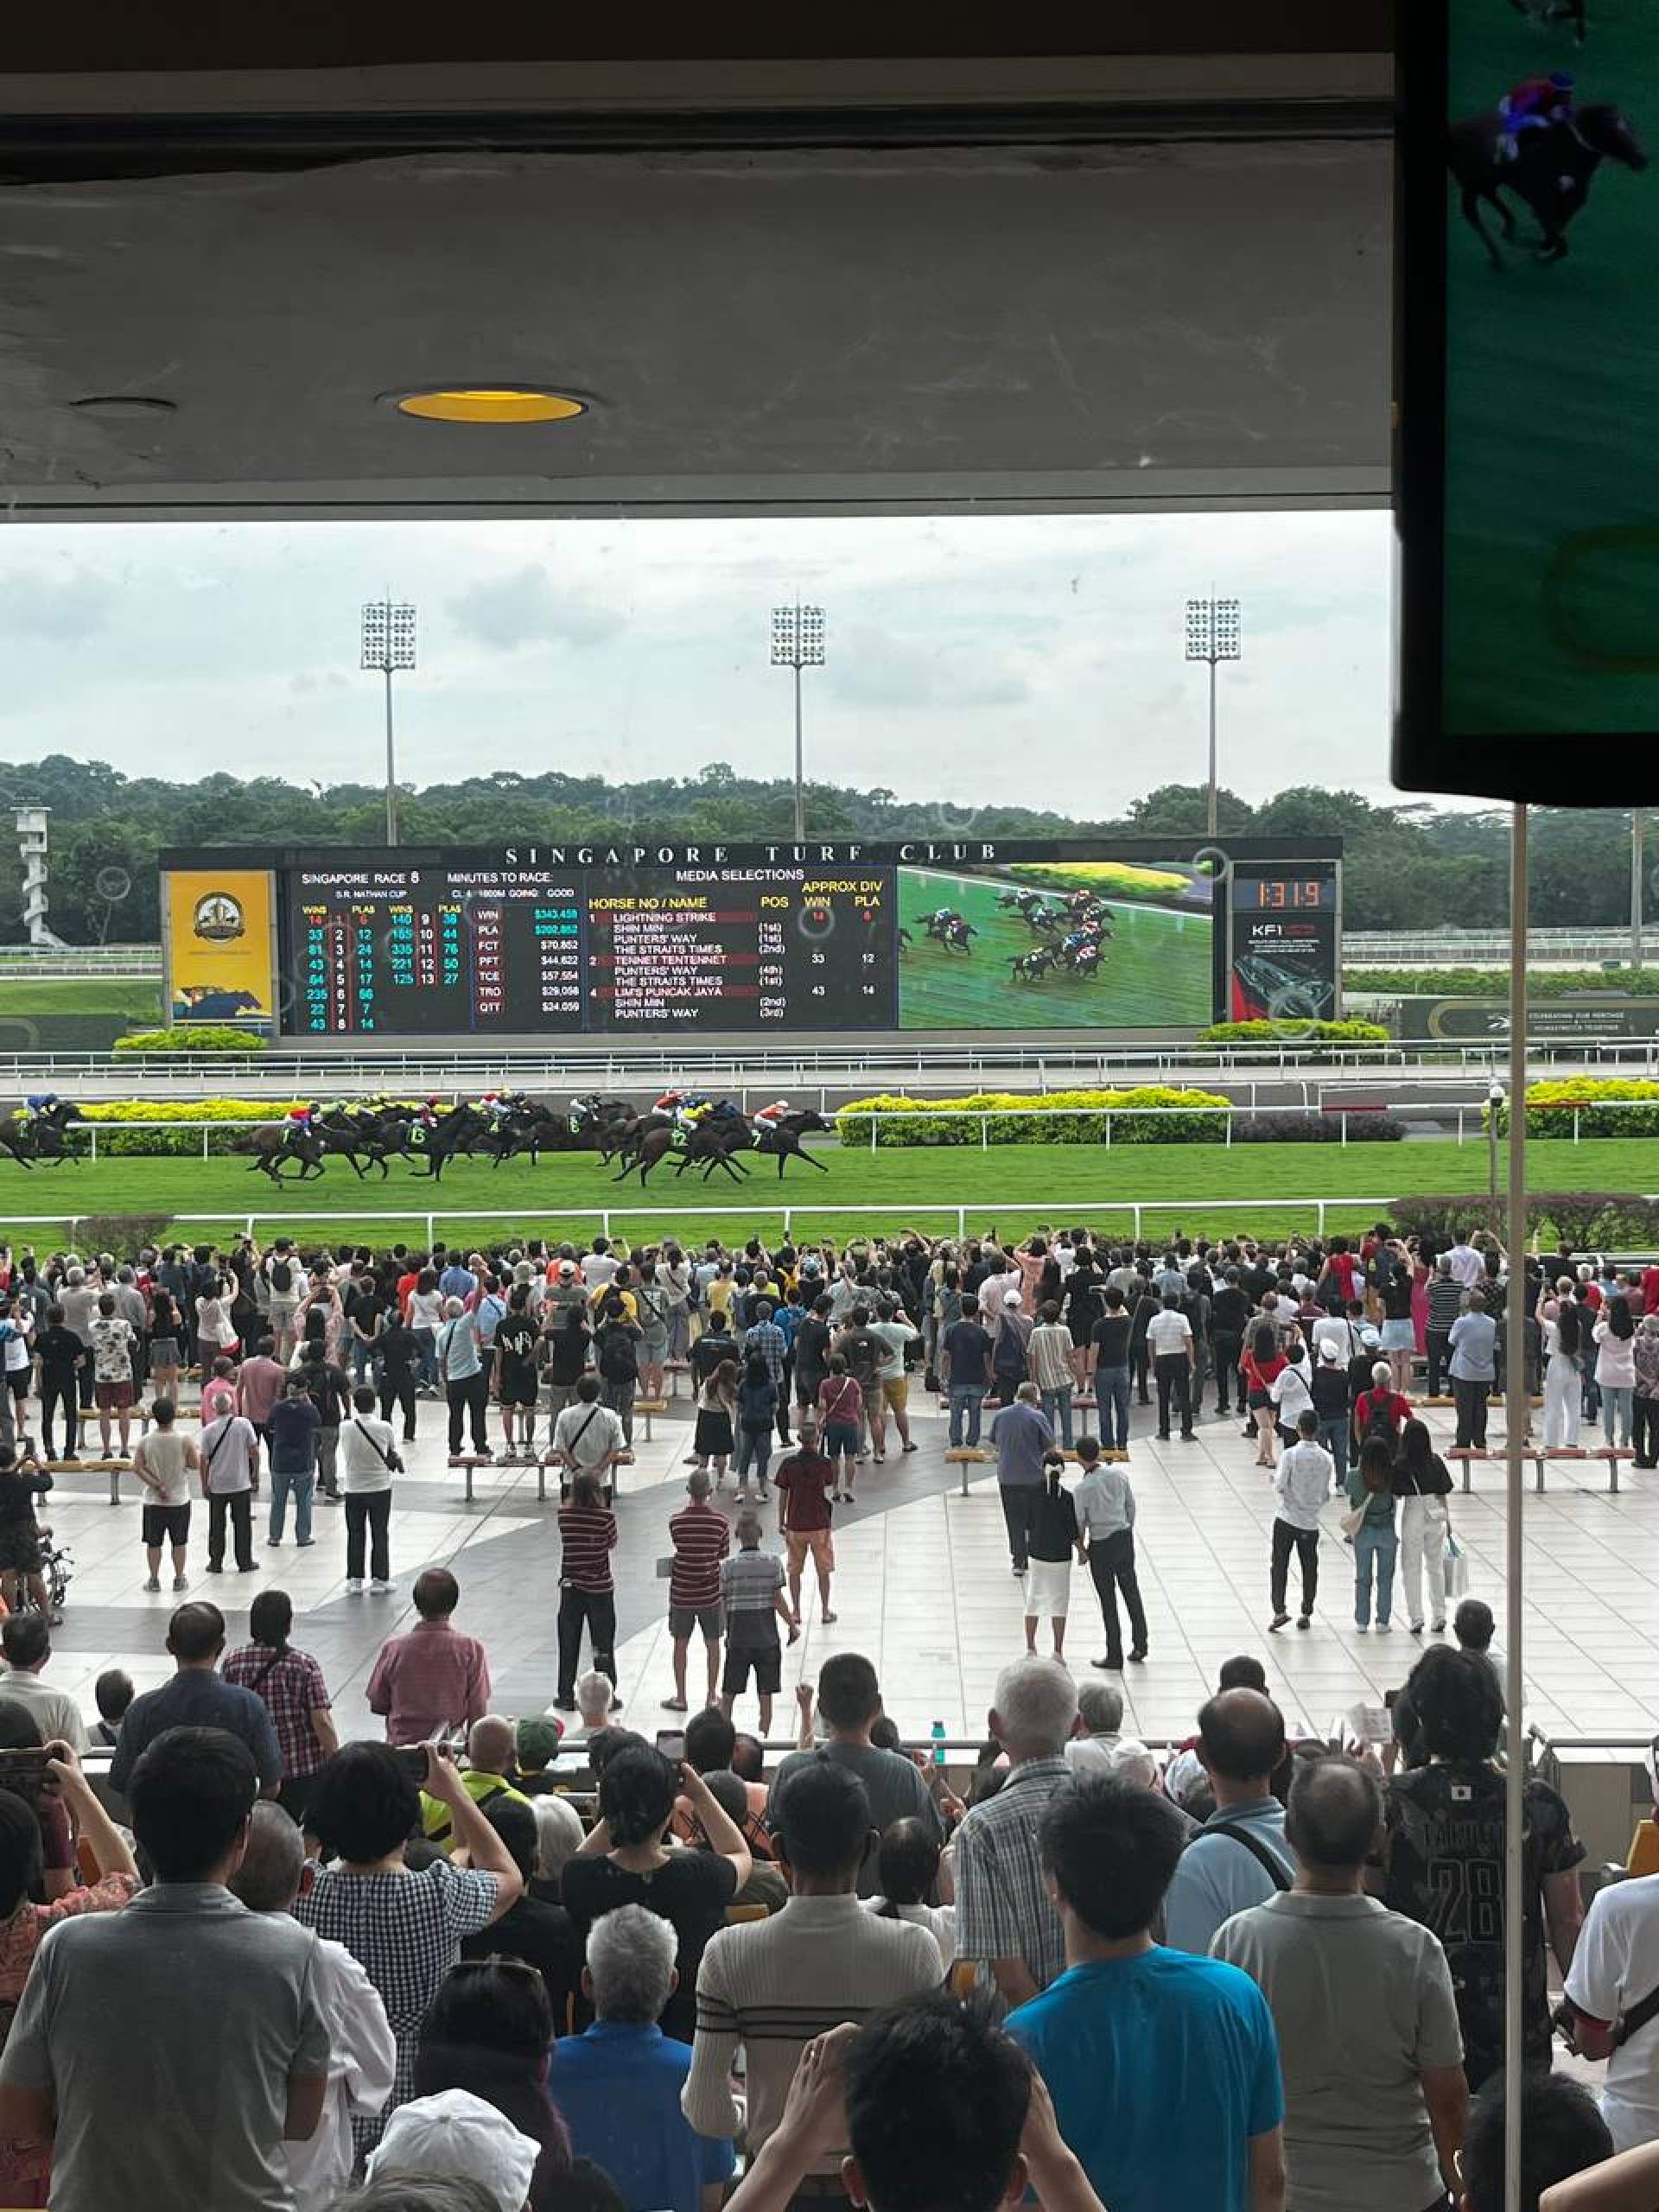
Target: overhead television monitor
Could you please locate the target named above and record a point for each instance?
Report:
(1528, 435)
(961, 936)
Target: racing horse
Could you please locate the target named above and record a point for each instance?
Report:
(1551, 171)
(38, 1136)
(337, 1134)
(781, 1139)
(1031, 967)
(951, 931)
(720, 1132)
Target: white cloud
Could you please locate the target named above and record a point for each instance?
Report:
(969, 657)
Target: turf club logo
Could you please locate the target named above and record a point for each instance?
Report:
(218, 917)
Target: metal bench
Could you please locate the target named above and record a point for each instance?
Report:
(1538, 1454)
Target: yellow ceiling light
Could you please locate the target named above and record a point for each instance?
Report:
(483, 404)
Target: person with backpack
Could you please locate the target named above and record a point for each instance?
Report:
(1333, 1411)
(1370, 1523)
(288, 1286)
(1381, 1411)
(617, 1356)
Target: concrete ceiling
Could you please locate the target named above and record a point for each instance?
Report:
(1032, 278)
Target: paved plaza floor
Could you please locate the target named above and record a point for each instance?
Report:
(923, 1586)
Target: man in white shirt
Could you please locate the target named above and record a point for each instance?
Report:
(1301, 1485)
(1615, 1967)
(587, 1437)
(230, 1468)
(1099, 1708)
(368, 1459)
(1169, 1341)
(362, 2052)
(994, 1290)
(1467, 1267)
(600, 1265)
(28, 1647)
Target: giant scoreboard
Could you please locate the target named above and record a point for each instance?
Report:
(534, 940)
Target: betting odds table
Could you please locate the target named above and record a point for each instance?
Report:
(447, 951)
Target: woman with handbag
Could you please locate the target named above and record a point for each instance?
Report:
(1261, 1367)
(1422, 1484)
(1370, 1523)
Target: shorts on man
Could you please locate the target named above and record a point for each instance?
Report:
(709, 1619)
(166, 1524)
(113, 1397)
(797, 1542)
(767, 1661)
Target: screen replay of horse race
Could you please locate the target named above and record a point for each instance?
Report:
(1527, 477)
(533, 940)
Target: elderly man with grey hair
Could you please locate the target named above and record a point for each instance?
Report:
(1005, 1918)
(1020, 1435)
(619, 2084)
(362, 2053)
(1100, 1715)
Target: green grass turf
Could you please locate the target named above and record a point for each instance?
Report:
(96, 994)
(1013, 1188)
(1154, 973)
(1553, 376)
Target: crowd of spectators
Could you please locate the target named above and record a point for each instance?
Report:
(250, 1967)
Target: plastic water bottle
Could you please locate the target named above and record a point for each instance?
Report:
(938, 1733)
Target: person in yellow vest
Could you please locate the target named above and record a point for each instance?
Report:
(491, 1760)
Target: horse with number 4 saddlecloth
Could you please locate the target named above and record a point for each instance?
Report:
(36, 1133)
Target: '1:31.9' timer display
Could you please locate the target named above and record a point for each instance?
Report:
(1277, 894)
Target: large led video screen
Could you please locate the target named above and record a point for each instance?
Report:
(1528, 476)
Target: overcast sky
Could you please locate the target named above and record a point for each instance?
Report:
(1040, 656)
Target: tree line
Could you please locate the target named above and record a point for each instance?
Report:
(1407, 867)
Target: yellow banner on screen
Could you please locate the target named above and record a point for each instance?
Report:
(220, 962)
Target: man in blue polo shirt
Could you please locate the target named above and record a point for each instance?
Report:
(1239, 1857)
(1164, 2068)
(619, 2085)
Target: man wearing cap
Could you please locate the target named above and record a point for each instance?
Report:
(1332, 1390)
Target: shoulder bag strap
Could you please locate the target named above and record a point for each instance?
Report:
(1269, 1861)
(384, 1458)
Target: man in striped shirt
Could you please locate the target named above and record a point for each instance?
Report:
(752, 1590)
(702, 1538)
(776, 1984)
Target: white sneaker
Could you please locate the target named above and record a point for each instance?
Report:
(354, 1588)
(379, 1587)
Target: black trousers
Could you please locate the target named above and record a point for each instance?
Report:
(1472, 1414)
(1017, 1504)
(1112, 1565)
(368, 1512)
(1438, 1345)
(470, 1395)
(1174, 1374)
(1305, 1542)
(399, 1389)
(238, 1504)
(1645, 1430)
(785, 1392)
(1140, 1360)
(579, 1609)
(1226, 1350)
(55, 1390)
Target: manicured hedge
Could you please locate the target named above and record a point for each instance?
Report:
(1494, 982)
(1552, 1106)
(153, 1142)
(1296, 1128)
(1057, 1122)
(191, 1037)
(1317, 1033)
